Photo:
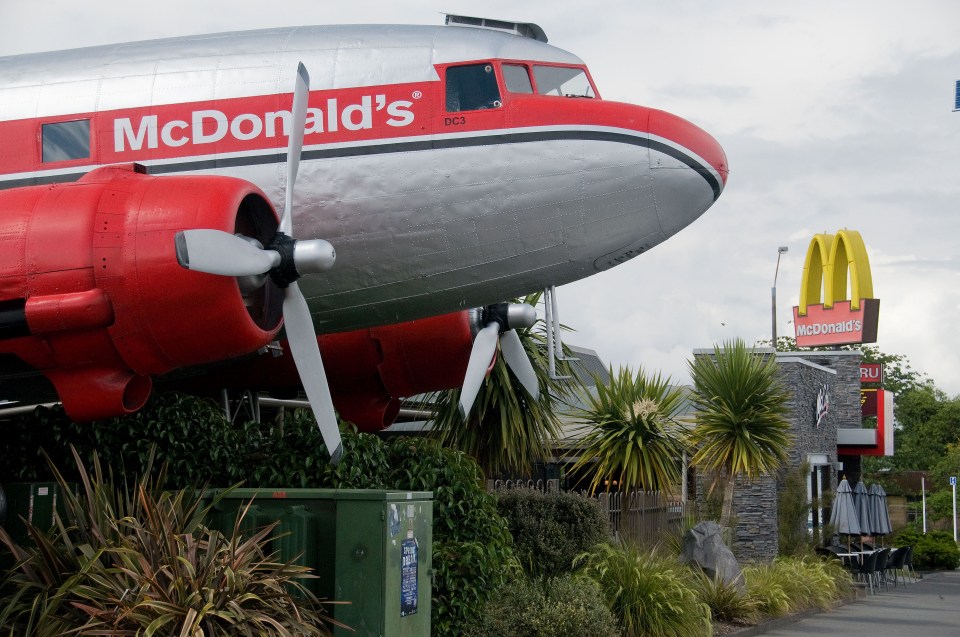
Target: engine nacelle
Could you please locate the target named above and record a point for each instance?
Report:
(370, 370)
(91, 293)
(414, 358)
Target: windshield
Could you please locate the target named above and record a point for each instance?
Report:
(562, 81)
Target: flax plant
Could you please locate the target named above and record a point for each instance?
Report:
(633, 435)
(140, 561)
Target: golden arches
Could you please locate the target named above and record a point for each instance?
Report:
(829, 258)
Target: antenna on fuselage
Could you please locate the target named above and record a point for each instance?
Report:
(523, 29)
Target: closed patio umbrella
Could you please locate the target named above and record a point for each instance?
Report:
(879, 516)
(844, 515)
(863, 501)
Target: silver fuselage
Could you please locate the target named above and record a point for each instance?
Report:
(428, 215)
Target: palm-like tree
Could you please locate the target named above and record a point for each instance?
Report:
(506, 430)
(633, 434)
(741, 429)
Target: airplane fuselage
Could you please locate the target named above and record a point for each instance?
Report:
(449, 167)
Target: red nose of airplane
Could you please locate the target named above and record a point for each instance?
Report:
(703, 153)
(688, 169)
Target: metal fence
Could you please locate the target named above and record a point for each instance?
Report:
(645, 517)
(637, 517)
(543, 486)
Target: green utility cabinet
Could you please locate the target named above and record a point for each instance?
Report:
(35, 502)
(371, 549)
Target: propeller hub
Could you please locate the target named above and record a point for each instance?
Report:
(286, 272)
(313, 256)
(510, 316)
(521, 315)
(300, 258)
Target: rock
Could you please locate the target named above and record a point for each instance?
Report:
(703, 545)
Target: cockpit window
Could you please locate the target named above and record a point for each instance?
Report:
(563, 81)
(472, 87)
(517, 78)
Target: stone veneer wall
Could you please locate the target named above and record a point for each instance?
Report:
(845, 409)
(802, 374)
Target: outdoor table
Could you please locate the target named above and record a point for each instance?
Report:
(853, 554)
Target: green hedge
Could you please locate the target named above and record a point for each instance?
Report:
(931, 552)
(550, 530)
(565, 606)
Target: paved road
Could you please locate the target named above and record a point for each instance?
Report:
(929, 608)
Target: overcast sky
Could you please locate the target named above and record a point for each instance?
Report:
(833, 115)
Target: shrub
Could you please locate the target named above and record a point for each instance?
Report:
(292, 454)
(565, 606)
(187, 435)
(648, 594)
(842, 578)
(142, 561)
(793, 511)
(728, 602)
(806, 582)
(765, 585)
(550, 530)
(792, 584)
(935, 550)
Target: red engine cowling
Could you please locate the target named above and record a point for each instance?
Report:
(408, 359)
(369, 370)
(92, 295)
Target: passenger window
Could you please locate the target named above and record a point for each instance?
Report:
(517, 79)
(66, 140)
(471, 88)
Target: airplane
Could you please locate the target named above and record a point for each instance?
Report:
(422, 173)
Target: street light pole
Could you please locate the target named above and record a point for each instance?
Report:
(773, 298)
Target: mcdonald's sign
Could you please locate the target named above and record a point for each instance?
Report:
(841, 318)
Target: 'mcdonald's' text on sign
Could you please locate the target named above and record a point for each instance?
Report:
(841, 318)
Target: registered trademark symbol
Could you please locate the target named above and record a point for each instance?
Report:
(417, 95)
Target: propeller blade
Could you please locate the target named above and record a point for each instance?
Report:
(306, 354)
(519, 363)
(484, 347)
(298, 122)
(219, 252)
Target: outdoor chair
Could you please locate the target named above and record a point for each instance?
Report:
(866, 570)
(880, 567)
(908, 563)
(895, 564)
(829, 552)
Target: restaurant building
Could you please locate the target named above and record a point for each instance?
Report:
(823, 407)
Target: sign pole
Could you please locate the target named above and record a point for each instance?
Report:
(773, 300)
(953, 487)
(773, 306)
(923, 493)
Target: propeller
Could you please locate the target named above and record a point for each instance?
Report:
(285, 260)
(499, 327)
